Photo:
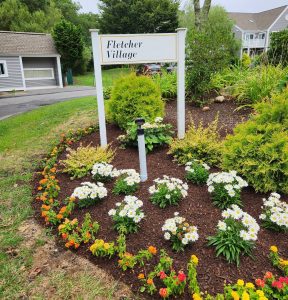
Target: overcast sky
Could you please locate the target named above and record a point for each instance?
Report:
(230, 5)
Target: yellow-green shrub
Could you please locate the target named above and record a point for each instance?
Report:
(80, 161)
(259, 148)
(134, 97)
(202, 143)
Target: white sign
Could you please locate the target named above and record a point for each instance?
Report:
(138, 48)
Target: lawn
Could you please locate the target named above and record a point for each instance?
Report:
(24, 140)
(108, 77)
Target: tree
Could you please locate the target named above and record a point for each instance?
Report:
(138, 16)
(278, 52)
(209, 49)
(88, 21)
(69, 43)
(201, 15)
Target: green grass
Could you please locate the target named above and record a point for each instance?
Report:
(108, 77)
(24, 140)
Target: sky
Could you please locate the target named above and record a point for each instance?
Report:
(229, 5)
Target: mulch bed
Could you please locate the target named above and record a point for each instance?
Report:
(197, 208)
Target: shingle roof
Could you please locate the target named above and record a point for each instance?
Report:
(256, 21)
(26, 43)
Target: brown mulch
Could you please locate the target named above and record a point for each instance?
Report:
(197, 208)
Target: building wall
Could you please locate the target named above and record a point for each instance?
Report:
(281, 24)
(14, 80)
(41, 62)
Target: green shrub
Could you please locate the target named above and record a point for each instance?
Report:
(167, 83)
(259, 148)
(278, 51)
(80, 161)
(246, 60)
(199, 143)
(133, 97)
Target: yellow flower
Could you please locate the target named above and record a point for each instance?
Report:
(250, 285)
(240, 282)
(260, 293)
(196, 296)
(235, 295)
(283, 262)
(245, 296)
(106, 246)
(194, 259)
(263, 298)
(93, 248)
(274, 249)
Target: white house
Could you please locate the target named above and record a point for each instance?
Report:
(28, 61)
(254, 29)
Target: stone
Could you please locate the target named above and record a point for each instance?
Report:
(205, 108)
(219, 99)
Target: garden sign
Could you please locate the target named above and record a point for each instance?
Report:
(139, 49)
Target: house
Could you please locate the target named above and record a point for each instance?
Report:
(254, 29)
(28, 61)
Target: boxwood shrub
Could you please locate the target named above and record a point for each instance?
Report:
(133, 97)
(259, 147)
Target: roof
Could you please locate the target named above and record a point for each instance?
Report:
(257, 21)
(26, 43)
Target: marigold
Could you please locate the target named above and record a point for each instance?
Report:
(235, 295)
(106, 246)
(250, 285)
(44, 213)
(46, 207)
(283, 262)
(43, 181)
(76, 246)
(260, 293)
(163, 292)
(63, 210)
(196, 296)
(150, 281)
(152, 250)
(39, 188)
(274, 249)
(194, 259)
(53, 170)
(268, 275)
(260, 282)
(245, 296)
(240, 282)
(64, 236)
(141, 276)
(67, 245)
(59, 216)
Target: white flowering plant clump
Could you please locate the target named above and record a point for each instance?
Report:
(275, 213)
(103, 172)
(225, 188)
(236, 234)
(127, 182)
(127, 214)
(179, 232)
(167, 191)
(156, 134)
(89, 193)
(197, 172)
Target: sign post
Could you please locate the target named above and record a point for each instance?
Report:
(138, 49)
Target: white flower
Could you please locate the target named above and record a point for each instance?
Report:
(90, 190)
(210, 189)
(112, 212)
(167, 236)
(222, 226)
(185, 241)
(176, 213)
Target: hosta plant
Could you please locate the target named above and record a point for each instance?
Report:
(127, 214)
(225, 188)
(167, 191)
(235, 235)
(89, 193)
(103, 249)
(127, 182)
(156, 134)
(197, 172)
(103, 172)
(275, 213)
(179, 232)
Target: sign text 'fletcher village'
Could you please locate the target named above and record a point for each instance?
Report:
(123, 49)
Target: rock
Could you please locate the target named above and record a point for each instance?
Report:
(205, 108)
(220, 99)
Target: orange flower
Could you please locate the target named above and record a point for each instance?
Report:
(74, 221)
(59, 216)
(268, 275)
(127, 254)
(141, 276)
(76, 246)
(88, 235)
(51, 200)
(149, 281)
(67, 245)
(53, 170)
(46, 207)
(152, 250)
(64, 236)
(62, 210)
(43, 181)
(47, 220)
(71, 242)
(44, 214)
(39, 188)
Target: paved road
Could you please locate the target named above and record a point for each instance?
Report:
(26, 101)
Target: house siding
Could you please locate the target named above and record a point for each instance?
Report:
(281, 23)
(14, 80)
(41, 62)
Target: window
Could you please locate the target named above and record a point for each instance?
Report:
(261, 36)
(39, 73)
(3, 69)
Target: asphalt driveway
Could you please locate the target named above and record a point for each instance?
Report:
(25, 101)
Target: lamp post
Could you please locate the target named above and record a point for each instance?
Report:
(141, 149)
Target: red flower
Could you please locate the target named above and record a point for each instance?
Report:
(268, 275)
(283, 280)
(181, 276)
(162, 275)
(163, 292)
(277, 284)
(260, 282)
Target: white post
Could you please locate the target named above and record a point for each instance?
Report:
(99, 88)
(22, 72)
(181, 34)
(59, 72)
(142, 156)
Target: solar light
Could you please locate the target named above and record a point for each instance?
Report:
(141, 149)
